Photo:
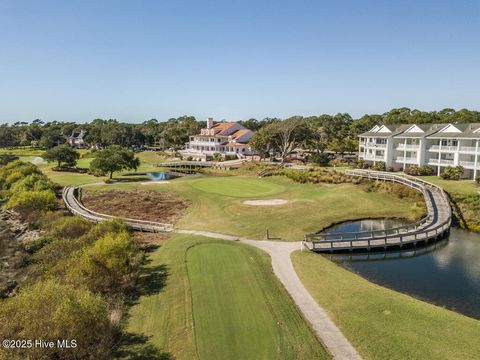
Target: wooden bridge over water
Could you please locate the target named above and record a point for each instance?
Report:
(432, 227)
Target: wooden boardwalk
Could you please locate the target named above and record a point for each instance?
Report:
(71, 196)
(430, 228)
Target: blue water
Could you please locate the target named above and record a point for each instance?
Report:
(160, 176)
(446, 273)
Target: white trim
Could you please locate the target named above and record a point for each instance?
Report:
(450, 128)
(414, 129)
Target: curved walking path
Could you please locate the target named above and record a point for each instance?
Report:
(280, 252)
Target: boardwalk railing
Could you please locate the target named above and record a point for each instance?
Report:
(433, 225)
(71, 196)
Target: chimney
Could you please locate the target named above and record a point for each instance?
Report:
(209, 123)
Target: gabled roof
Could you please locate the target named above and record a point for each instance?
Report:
(460, 131)
(386, 130)
(223, 126)
(240, 133)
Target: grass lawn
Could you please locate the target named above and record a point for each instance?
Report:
(217, 205)
(148, 162)
(382, 323)
(462, 187)
(220, 300)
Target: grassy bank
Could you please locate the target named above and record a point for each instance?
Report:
(465, 196)
(382, 323)
(214, 299)
(217, 205)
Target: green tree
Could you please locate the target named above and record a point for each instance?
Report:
(51, 311)
(262, 142)
(62, 154)
(112, 159)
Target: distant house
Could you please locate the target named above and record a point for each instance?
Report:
(77, 140)
(225, 138)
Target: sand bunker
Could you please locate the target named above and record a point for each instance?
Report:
(155, 182)
(267, 202)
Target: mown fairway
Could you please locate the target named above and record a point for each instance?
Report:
(382, 323)
(219, 300)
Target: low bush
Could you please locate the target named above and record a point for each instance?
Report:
(424, 170)
(35, 245)
(112, 264)
(69, 227)
(26, 202)
(319, 159)
(51, 311)
(317, 175)
(452, 173)
(379, 166)
(477, 180)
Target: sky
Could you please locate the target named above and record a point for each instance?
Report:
(77, 60)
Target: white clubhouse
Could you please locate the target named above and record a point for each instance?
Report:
(225, 138)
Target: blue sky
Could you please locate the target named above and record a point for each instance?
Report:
(135, 60)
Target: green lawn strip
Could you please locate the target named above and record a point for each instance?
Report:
(310, 207)
(222, 300)
(462, 187)
(382, 323)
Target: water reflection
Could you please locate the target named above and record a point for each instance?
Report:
(446, 273)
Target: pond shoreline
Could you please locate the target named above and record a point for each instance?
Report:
(447, 275)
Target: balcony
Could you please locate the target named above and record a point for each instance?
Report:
(407, 147)
(444, 148)
(443, 162)
(468, 164)
(467, 149)
(409, 160)
(375, 145)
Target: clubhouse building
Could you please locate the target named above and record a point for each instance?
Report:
(226, 138)
(437, 145)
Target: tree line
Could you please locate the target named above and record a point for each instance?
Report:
(318, 133)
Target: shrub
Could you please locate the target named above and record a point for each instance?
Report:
(426, 170)
(35, 245)
(452, 173)
(110, 265)
(33, 182)
(69, 227)
(51, 311)
(379, 166)
(189, 158)
(319, 159)
(217, 157)
(477, 180)
(27, 202)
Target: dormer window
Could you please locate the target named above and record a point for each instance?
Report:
(202, 132)
(212, 132)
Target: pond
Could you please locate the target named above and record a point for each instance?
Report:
(161, 176)
(446, 273)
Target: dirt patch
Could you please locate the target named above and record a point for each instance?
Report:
(136, 204)
(266, 202)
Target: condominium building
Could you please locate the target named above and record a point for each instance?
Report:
(225, 138)
(437, 145)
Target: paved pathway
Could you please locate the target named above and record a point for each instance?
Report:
(280, 252)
